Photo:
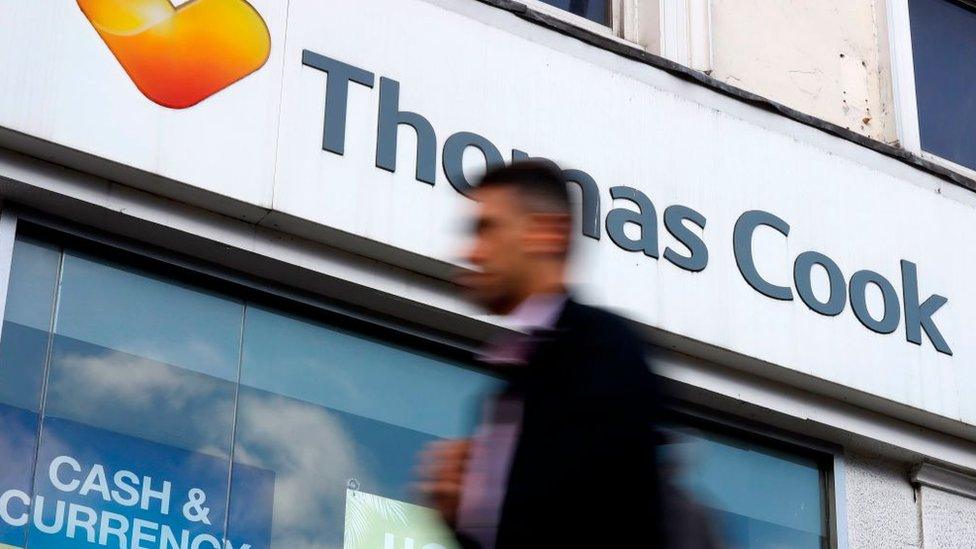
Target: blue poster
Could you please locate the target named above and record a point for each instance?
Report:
(95, 488)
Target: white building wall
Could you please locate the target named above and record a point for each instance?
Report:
(881, 507)
(948, 520)
(888, 506)
(825, 58)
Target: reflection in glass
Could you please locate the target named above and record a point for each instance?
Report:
(141, 380)
(325, 410)
(145, 357)
(23, 348)
(758, 496)
(147, 316)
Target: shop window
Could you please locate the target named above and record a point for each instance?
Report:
(594, 10)
(758, 495)
(147, 377)
(943, 45)
(176, 415)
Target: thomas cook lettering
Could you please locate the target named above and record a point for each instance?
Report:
(918, 317)
(639, 214)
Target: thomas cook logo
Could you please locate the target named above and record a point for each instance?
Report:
(178, 57)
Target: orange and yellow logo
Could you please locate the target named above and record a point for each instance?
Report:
(180, 56)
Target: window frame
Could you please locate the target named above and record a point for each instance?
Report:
(614, 30)
(903, 86)
(829, 456)
(680, 30)
(8, 234)
(686, 32)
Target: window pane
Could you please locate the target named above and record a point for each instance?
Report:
(323, 409)
(23, 351)
(27, 321)
(758, 496)
(944, 47)
(139, 411)
(594, 10)
(148, 316)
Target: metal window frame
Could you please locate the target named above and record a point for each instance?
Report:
(903, 84)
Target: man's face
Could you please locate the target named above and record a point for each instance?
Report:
(496, 251)
(508, 244)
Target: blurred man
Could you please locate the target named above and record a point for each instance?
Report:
(565, 455)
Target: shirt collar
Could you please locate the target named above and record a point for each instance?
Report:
(537, 312)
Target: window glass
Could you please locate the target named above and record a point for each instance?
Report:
(594, 10)
(325, 410)
(23, 351)
(138, 420)
(27, 321)
(144, 315)
(144, 356)
(944, 47)
(33, 277)
(758, 496)
(313, 362)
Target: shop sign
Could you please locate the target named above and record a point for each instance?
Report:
(376, 522)
(95, 488)
(682, 222)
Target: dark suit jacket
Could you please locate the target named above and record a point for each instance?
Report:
(584, 471)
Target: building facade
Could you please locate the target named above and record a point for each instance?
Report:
(229, 229)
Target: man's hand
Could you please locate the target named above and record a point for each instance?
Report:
(441, 475)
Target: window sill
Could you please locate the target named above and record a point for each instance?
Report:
(968, 173)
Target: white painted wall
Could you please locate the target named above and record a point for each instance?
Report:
(467, 66)
(825, 58)
(948, 520)
(881, 506)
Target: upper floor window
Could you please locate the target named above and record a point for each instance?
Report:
(934, 44)
(594, 10)
(944, 45)
(677, 30)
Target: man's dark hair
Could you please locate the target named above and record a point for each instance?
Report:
(539, 183)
